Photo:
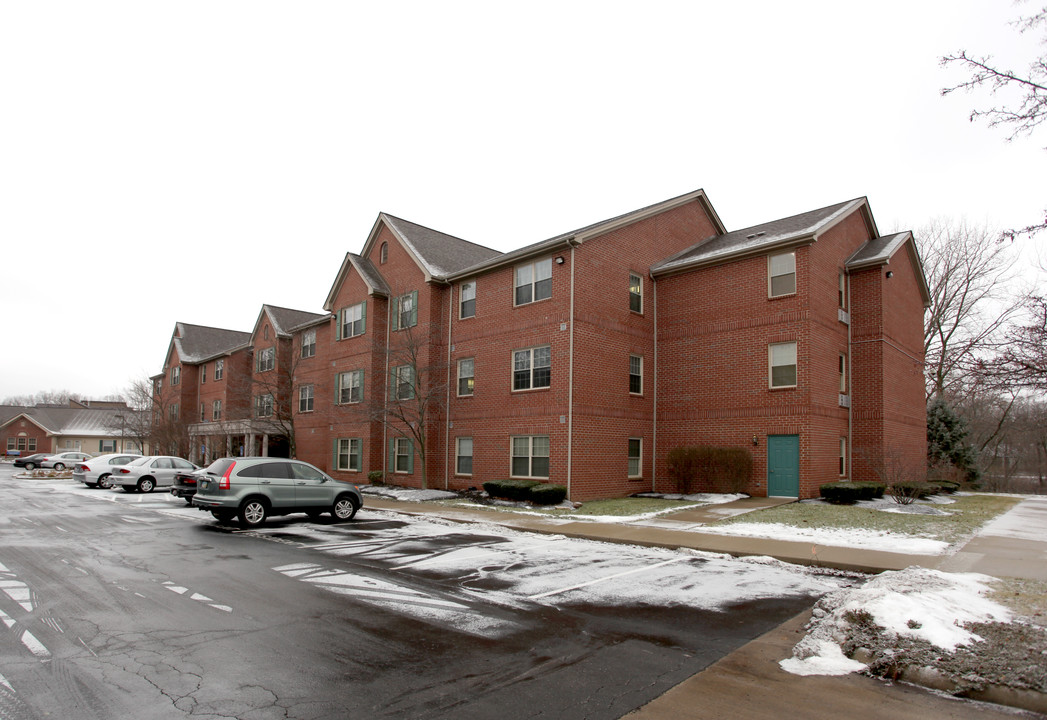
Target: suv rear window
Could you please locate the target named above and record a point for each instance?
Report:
(218, 467)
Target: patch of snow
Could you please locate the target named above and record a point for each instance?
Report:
(925, 604)
(406, 494)
(706, 498)
(836, 537)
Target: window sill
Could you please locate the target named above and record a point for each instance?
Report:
(533, 302)
(537, 389)
(783, 387)
(782, 297)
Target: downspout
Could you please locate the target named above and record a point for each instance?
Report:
(850, 388)
(654, 429)
(570, 385)
(447, 401)
(385, 400)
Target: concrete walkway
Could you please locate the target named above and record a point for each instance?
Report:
(748, 683)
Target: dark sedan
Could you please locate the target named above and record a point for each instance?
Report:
(32, 461)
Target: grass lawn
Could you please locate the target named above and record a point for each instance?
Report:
(615, 507)
(966, 515)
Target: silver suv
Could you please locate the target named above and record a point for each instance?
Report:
(253, 488)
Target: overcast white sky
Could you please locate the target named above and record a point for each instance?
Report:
(190, 161)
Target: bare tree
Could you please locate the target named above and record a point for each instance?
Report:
(1025, 110)
(417, 388)
(44, 397)
(968, 272)
(1025, 353)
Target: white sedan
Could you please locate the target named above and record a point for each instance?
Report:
(148, 473)
(97, 471)
(61, 461)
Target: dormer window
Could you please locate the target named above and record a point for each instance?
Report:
(383, 254)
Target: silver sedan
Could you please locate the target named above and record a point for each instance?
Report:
(148, 473)
(97, 471)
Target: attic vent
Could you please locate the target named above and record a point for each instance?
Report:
(754, 235)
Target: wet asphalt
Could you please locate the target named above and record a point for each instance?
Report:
(122, 605)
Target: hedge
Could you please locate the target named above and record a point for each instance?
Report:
(851, 492)
(532, 490)
(547, 494)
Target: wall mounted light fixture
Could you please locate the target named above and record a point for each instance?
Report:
(559, 259)
(890, 274)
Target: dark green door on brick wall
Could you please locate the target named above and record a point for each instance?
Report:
(783, 465)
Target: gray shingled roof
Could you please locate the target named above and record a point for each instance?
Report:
(757, 238)
(79, 422)
(286, 320)
(878, 250)
(441, 254)
(196, 343)
(370, 273)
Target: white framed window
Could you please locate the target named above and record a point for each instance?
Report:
(403, 455)
(263, 405)
(636, 375)
(216, 410)
(12, 444)
(173, 412)
(530, 456)
(219, 369)
(309, 343)
(107, 446)
(352, 321)
(467, 300)
(533, 282)
(782, 361)
(176, 375)
(842, 291)
(843, 457)
(347, 454)
(843, 374)
(203, 373)
(203, 410)
(532, 368)
(781, 274)
(405, 311)
(266, 359)
(465, 377)
(403, 382)
(635, 457)
(383, 253)
(636, 293)
(265, 332)
(349, 387)
(463, 463)
(305, 398)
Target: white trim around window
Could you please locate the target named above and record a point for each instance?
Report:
(781, 364)
(309, 343)
(636, 293)
(635, 455)
(533, 282)
(467, 300)
(349, 387)
(463, 456)
(529, 456)
(532, 368)
(306, 395)
(636, 374)
(466, 376)
(781, 275)
(348, 454)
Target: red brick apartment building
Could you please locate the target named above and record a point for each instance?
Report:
(583, 359)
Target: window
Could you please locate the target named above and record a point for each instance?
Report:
(530, 456)
(635, 453)
(842, 292)
(173, 412)
(781, 270)
(11, 443)
(349, 387)
(463, 464)
(309, 343)
(403, 382)
(352, 321)
(534, 281)
(203, 373)
(636, 293)
(843, 457)
(31, 447)
(176, 375)
(265, 333)
(263, 405)
(159, 385)
(783, 364)
(347, 454)
(405, 311)
(843, 374)
(203, 417)
(219, 367)
(266, 359)
(383, 254)
(465, 377)
(532, 368)
(216, 410)
(403, 455)
(305, 398)
(636, 375)
(467, 300)
(107, 446)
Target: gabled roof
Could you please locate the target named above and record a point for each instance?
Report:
(376, 284)
(437, 253)
(197, 343)
(576, 237)
(78, 422)
(285, 320)
(794, 230)
(879, 251)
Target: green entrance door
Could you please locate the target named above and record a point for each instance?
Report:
(783, 465)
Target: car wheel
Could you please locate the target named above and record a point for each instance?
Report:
(103, 482)
(30, 466)
(146, 485)
(59, 466)
(252, 513)
(129, 488)
(344, 508)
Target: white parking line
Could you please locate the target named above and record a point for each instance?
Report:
(605, 579)
(35, 646)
